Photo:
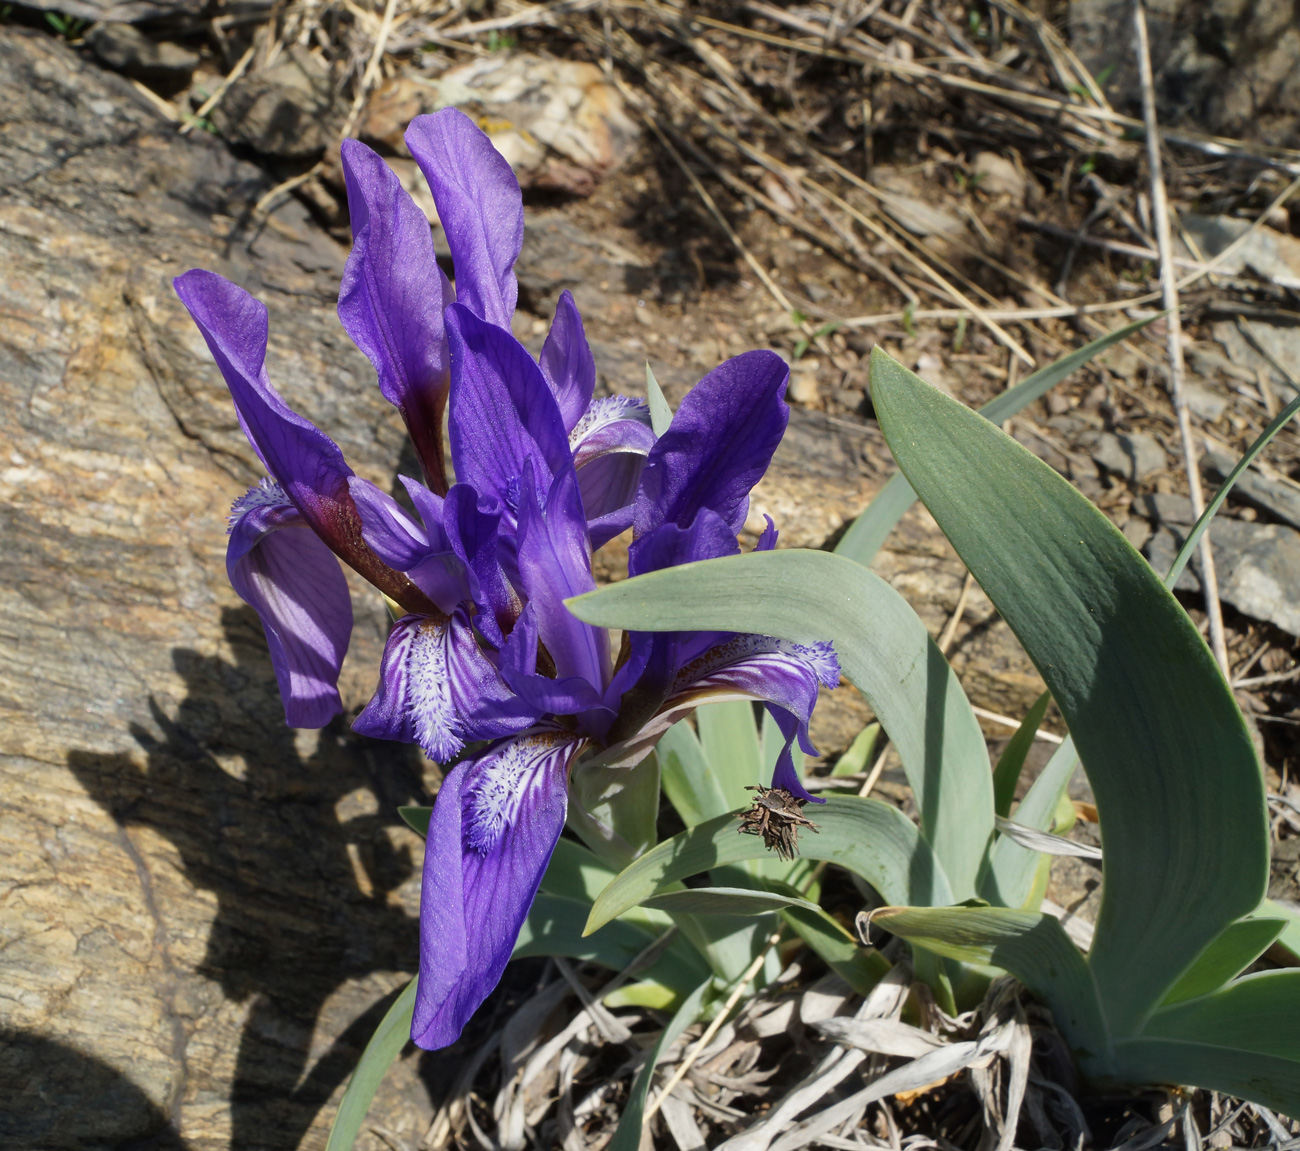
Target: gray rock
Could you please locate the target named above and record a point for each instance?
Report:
(174, 12)
(1258, 567)
(290, 111)
(197, 903)
(129, 51)
(1268, 254)
(1133, 456)
(1225, 66)
(1203, 401)
(1281, 342)
(1278, 499)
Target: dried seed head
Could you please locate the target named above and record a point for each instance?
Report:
(777, 816)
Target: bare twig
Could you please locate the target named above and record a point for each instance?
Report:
(212, 101)
(718, 1020)
(950, 629)
(1169, 289)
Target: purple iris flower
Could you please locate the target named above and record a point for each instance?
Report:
(485, 667)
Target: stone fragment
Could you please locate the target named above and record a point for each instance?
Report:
(1258, 565)
(996, 176)
(1280, 342)
(1204, 401)
(290, 111)
(130, 52)
(1271, 255)
(559, 123)
(803, 383)
(1273, 496)
(1133, 456)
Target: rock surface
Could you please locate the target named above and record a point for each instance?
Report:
(1227, 66)
(560, 123)
(201, 913)
(289, 111)
(1258, 565)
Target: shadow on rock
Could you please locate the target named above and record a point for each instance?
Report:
(295, 849)
(40, 1076)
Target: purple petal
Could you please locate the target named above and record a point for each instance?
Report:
(392, 299)
(494, 826)
(304, 460)
(555, 564)
(307, 463)
(781, 674)
(610, 444)
(421, 552)
(438, 689)
(502, 412)
(479, 205)
(718, 446)
(472, 529)
(550, 695)
(279, 566)
(567, 362)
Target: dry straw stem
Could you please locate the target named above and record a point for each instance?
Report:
(1169, 291)
(212, 101)
(718, 1020)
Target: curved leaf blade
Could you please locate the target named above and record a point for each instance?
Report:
(725, 901)
(392, 1034)
(873, 839)
(1029, 944)
(1156, 726)
(869, 531)
(1227, 957)
(627, 1136)
(884, 649)
(1006, 774)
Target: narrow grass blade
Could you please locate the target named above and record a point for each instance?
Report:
(627, 1136)
(870, 530)
(392, 1034)
(1012, 760)
(1178, 786)
(884, 649)
(859, 754)
(685, 775)
(730, 741)
(873, 839)
(1194, 536)
(417, 819)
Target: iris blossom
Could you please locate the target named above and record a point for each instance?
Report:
(485, 667)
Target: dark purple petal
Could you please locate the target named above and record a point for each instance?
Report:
(307, 463)
(567, 363)
(781, 674)
(438, 689)
(393, 535)
(279, 566)
(472, 533)
(555, 564)
(304, 460)
(392, 299)
(549, 695)
(719, 444)
(502, 412)
(423, 553)
(494, 826)
(480, 208)
(767, 541)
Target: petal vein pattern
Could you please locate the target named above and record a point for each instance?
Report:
(494, 826)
